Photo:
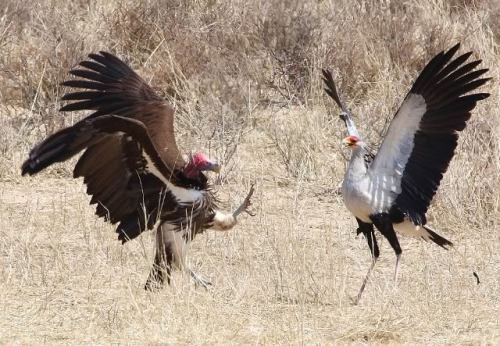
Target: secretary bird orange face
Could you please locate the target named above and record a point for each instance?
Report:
(392, 190)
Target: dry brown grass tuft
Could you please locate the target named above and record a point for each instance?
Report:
(245, 79)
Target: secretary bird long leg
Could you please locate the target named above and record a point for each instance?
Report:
(360, 293)
(396, 271)
(369, 233)
(247, 202)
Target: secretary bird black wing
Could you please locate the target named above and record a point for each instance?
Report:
(421, 139)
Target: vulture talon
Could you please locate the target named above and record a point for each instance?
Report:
(252, 214)
(247, 202)
(199, 281)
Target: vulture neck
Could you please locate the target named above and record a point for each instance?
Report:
(191, 171)
(357, 166)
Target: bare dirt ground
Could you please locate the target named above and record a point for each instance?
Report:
(244, 77)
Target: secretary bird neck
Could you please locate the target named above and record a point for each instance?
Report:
(345, 115)
(351, 128)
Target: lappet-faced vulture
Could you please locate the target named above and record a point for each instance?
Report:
(132, 166)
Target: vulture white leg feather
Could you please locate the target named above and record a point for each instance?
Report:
(223, 221)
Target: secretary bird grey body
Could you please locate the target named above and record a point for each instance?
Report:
(392, 190)
(131, 164)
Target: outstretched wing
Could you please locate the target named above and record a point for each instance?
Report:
(113, 88)
(118, 177)
(422, 137)
(171, 200)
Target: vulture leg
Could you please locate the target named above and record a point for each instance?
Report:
(384, 225)
(170, 254)
(157, 274)
(171, 250)
(369, 233)
(247, 202)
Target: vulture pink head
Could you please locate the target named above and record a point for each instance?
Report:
(199, 162)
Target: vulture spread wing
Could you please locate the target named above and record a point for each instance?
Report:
(114, 88)
(146, 157)
(131, 164)
(422, 137)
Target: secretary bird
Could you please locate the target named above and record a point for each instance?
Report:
(392, 190)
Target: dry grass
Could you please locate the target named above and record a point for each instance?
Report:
(245, 79)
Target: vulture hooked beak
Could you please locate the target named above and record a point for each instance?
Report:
(213, 166)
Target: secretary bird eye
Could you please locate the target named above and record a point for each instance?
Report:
(131, 164)
(392, 190)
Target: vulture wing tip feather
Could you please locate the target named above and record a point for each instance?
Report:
(482, 96)
(65, 108)
(105, 54)
(26, 168)
(454, 49)
(94, 55)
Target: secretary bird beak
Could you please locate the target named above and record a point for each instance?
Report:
(347, 141)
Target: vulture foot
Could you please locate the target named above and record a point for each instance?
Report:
(199, 281)
(157, 277)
